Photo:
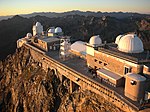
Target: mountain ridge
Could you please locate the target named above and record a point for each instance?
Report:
(118, 15)
(76, 26)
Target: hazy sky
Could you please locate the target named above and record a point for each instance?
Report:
(12, 7)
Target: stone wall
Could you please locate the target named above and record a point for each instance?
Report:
(114, 64)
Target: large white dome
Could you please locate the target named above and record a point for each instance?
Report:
(118, 39)
(58, 30)
(79, 46)
(130, 43)
(95, 40)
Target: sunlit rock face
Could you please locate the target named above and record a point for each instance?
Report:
(86, 101)
(26, 87)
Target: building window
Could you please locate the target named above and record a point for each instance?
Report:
(133, 82)
(95, 67)
(127, 70)
(95, 60)
(100, 62)
(105, 64)
(50, 47)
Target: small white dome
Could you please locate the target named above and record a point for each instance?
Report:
(118, 39)
(51, 30)
(38, 24)
(95, 40)
(130, 43)
(29, 35)
(58, 30)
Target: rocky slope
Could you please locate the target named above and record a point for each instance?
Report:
(25, 87)
(144, 32)
(86, 101)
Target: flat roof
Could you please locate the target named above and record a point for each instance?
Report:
(49, 39)
(109, 74)
(112, 49)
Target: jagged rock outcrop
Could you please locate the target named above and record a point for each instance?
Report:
(86, 101)
(26, 87)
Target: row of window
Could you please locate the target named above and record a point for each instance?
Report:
(100, 62)
(126, 69)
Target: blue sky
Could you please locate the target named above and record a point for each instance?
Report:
(12, 7)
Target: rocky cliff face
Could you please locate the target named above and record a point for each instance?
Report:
(86, 101)
(26, 87)
(144, 32)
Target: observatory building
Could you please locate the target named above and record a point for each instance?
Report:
(123, 63)
(47, 41)
(37, 29)
(120, 64)
(123, 66)
(52, 31)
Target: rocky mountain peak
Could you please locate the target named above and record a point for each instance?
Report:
(26, 87)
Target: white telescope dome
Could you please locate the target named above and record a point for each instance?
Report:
(95, 40)
(38, 24)
(51, 30)
(29, 35)
(118, 39)
(130, 43)
(58, 30)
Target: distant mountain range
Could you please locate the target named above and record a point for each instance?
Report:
(79, 27)
(118, 15)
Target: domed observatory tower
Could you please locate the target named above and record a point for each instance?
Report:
(64, 47)
(94, 42)
(20, 42)
(58, 31)
(135, 86)
(24, 40)
(37, 29)
(51, 31)
(130, 43)
(28, 36)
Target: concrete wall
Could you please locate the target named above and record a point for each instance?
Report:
(90, 50)
(46, 45)
(134, 92)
